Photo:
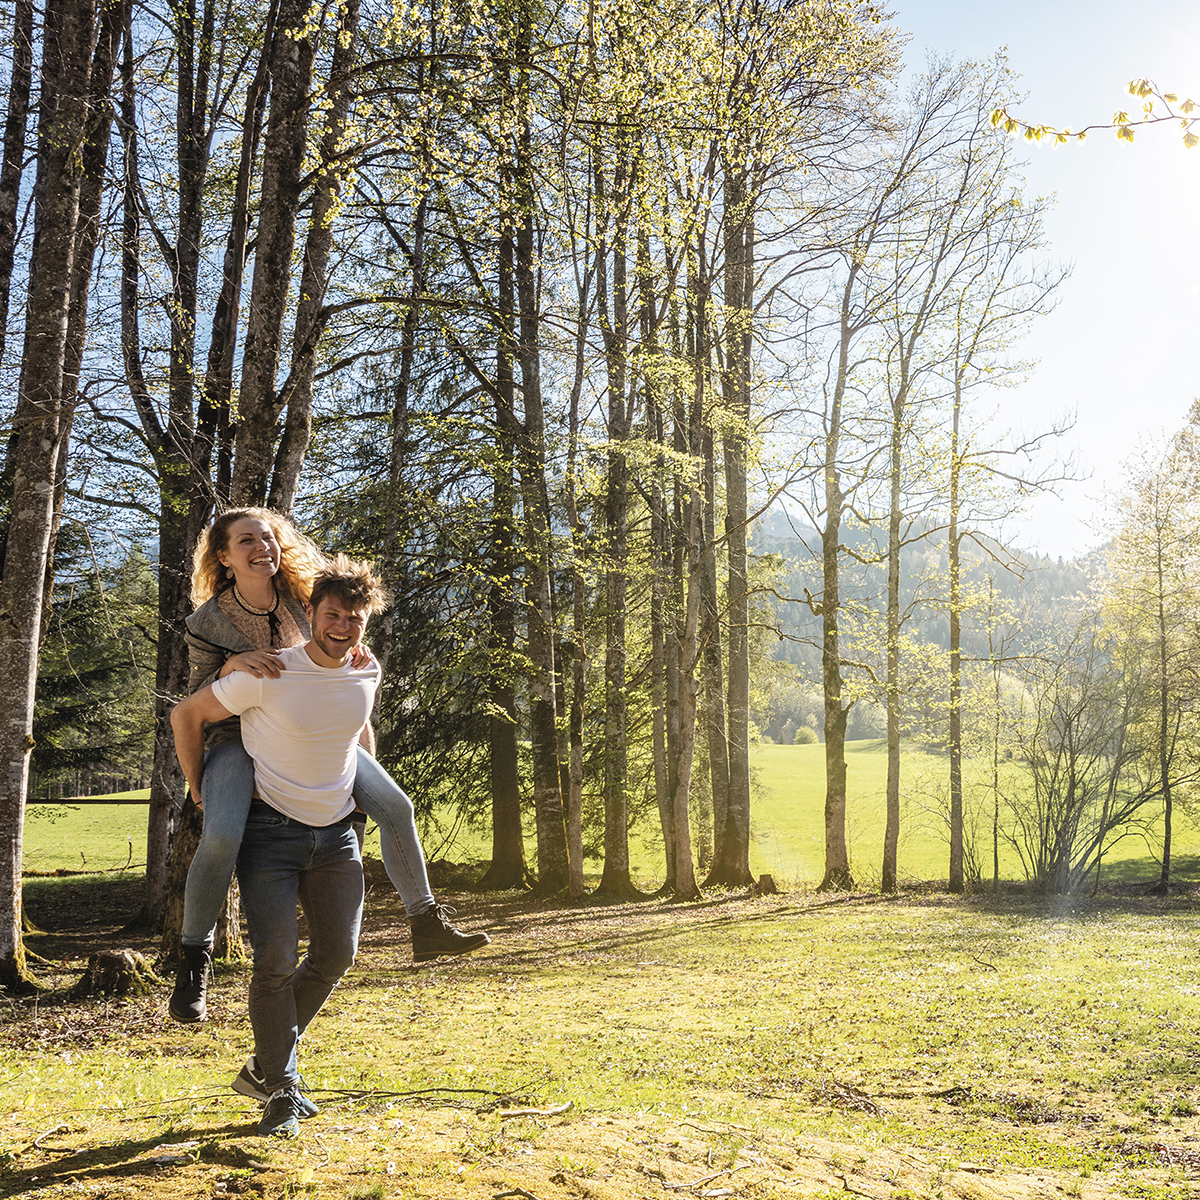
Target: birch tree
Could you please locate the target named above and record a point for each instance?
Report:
(1153, 561)
(41, 422)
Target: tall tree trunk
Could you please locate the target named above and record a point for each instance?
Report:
(12, 170)
(91, 189)
(660, 670)
(954, 549)
(183, 490)
(12, 166)
(995, 755)
(553, 863)
(687, 635)
(1165, 735)
(615, 881)
(712, 645)
(576, 887)
(837, 859)
(891, 832)
(713, 661)
(297, 392)
(579, 594)
(731, 862)
(214, 430)
(39, 423)
(508, 867)
(393, 567)
(182, 446)
(279, 204)
(686, 660)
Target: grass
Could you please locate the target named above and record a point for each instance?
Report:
(787, 819)
(810, 1045)
(788, 824)
(787, 827)
(804, 1046)
(102, 837)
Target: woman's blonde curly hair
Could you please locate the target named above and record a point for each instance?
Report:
(299, 558)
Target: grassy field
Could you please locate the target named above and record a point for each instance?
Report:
(787, 829)
(917, 1048)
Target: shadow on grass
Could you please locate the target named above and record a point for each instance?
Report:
(124, 1160)
(77, 914)
(563, 930)
(85, 913)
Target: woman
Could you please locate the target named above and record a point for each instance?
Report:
(251, 575)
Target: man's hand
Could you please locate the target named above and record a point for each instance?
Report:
(360, 656)
(254, 662)
(188, 719)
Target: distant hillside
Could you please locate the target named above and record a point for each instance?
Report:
(1032, 592)
(1035, 588)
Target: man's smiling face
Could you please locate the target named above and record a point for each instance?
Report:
(336, 630)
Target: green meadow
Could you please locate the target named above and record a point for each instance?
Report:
(791, 1047)
(787, 827)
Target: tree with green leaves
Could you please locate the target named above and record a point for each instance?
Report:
(73, 95)
(94, 722)
(1153, 598)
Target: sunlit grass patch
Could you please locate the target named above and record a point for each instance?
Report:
(796, 1042)
(787, 828)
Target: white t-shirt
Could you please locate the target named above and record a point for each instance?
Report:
(302, 732)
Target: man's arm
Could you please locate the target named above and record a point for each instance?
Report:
(188, 719)
(366, 739)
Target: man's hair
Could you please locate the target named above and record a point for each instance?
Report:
(352, 582)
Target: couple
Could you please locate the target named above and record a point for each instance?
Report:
(306, 761)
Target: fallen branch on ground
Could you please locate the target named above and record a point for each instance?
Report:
(690, 1187)
(36, 1144)
(845, 1095)
(556, 1111)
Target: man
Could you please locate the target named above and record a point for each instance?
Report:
(300, 729)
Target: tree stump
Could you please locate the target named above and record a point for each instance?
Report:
(766, 886)
(115, 973)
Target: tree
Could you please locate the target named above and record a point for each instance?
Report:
(1153, 560)
(93, 724)
(1092, 772)
(788, 98)
(1149, 93)
(41, 423)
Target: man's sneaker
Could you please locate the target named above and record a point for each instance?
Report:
(187, 1002)
(433, 935)
(281, 1117)
(249, 1081)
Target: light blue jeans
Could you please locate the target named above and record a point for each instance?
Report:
(282, 861)
(227, 786)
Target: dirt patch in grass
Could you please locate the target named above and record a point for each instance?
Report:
(794, 1046)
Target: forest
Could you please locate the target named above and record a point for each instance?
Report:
(656, 355)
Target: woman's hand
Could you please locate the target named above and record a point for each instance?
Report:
(255, 662)
(361, 656)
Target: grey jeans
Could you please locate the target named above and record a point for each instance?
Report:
(281, 862)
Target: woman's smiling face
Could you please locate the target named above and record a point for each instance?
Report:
(251, 551)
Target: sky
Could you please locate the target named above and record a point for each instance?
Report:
(1119, 351)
